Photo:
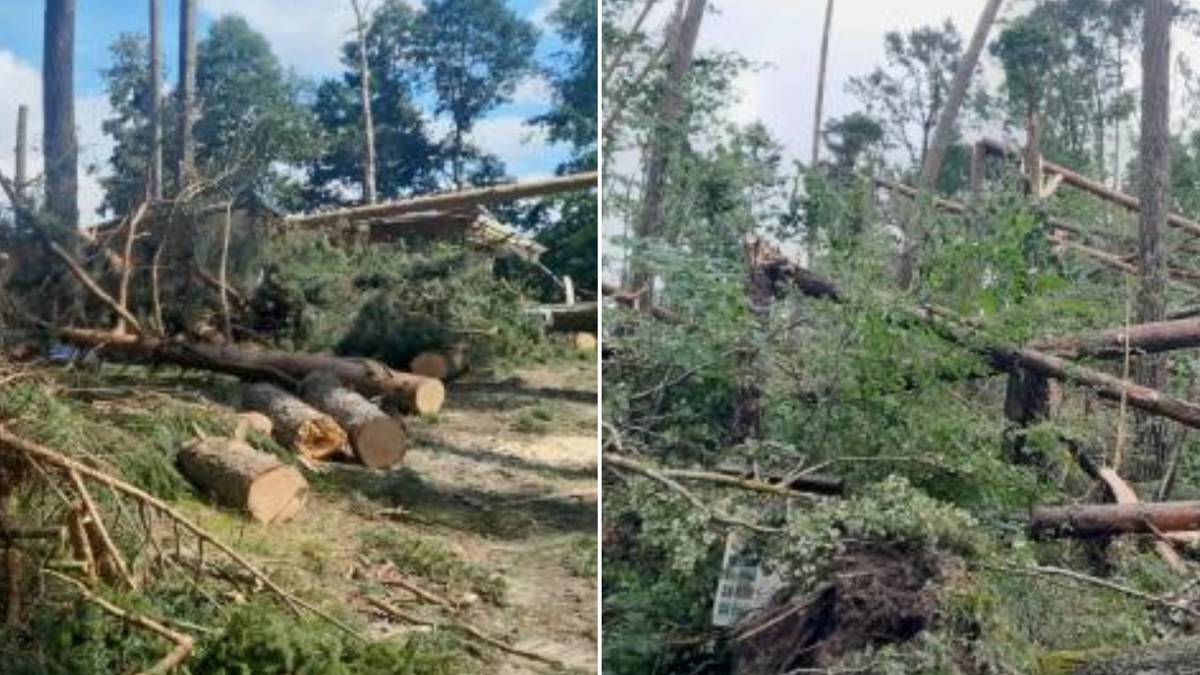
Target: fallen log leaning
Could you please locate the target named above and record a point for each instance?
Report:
(412, 393)
(378, 440)
(1146, 338)
(297, 425)
(240, 477)
(1103, 520)
(582, 317)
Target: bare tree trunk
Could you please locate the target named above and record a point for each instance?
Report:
(935, 151)
(187, 90)
(944, 132)
(154, 188)
(21, 173)
(669, 119)
(617, 59)
(61, 150)
(816, 142)
(361, 27)
(1154, 175)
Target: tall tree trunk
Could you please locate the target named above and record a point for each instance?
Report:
(361, 28)
(668, 123)
(61, 151)
(187, 90)
(816, 142)
(154, 188)
(1154, 179)
(21, 172)
(935, 151)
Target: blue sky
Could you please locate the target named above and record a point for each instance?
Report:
(305, 34)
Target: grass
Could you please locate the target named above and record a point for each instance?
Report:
(433, 561)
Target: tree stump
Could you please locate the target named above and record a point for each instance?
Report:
(240, 477)
(298, 425)
(379, 441)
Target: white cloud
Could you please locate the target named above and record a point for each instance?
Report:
(534, 90)
(525, 149)
(23, 85)
(306, 34)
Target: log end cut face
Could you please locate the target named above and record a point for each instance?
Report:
(381, 443)
(277, 495)
(427, 397)
(321, 438)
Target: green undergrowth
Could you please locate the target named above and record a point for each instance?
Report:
(433, 561)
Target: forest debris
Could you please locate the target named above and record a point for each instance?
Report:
(1102, 520)
(378, 440)
(173, 659)
(1124, 494)
(463, 627)
(240, 477)
(575, 318)
(94, 526)
(1147, 338)
(297, 425)
(41, 454)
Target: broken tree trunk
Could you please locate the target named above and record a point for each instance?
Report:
(441, 364)
(411, 393)
(1105, 520)
(379, 441)
(238, 476)
(297, 425)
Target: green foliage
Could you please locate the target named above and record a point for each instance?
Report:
(390, 302)
(262, 641)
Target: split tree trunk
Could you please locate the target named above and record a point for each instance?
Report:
(238, 476)
(296, 424)
(379, 441)
(155, 102)
(1103, 520)
(60, 148)
(187, 91)
(411, 393)
(1154, 171)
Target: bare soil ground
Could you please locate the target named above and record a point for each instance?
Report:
(494, 509)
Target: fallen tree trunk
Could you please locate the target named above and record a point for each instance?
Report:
(297, 425)
(450, 200)
(1178, 656)
(580, 318)
(1104, 520)
(441, 364)
(412, 393)
(238, 476)
(378, 440)
(1146, 338)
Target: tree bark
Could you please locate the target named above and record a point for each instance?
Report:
(446, 201)
(379, 441)
(668, 123)
(21, 171)
(240, 477)
(1154, 171)
(154, 99)
(442, 364)
(1103, 520)
(60, 147)
(412, 393)
(361, 26)
(821, 72)
(1149, 338)
(187, 91)
(296, 424)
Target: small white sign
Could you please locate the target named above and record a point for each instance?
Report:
(744, 586)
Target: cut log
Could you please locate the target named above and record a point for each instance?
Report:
(297, 425)
(1106, 520)
(585, 342)
(411, 393)
(240, 477)
(253, 421)
(1147, 338)
(378, 440)
(442, 364)
(581, 317)
(1122, 493)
